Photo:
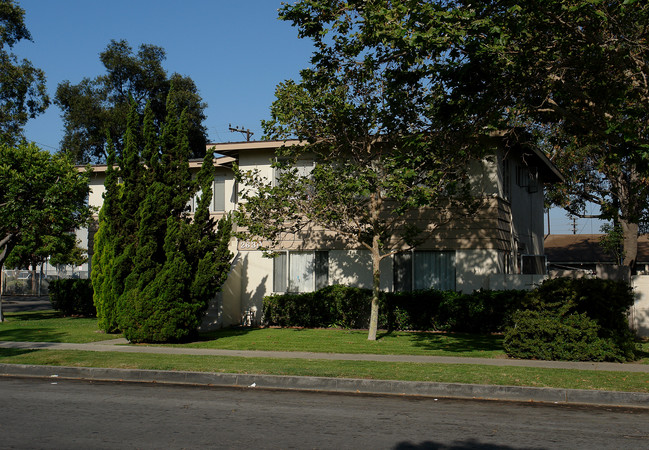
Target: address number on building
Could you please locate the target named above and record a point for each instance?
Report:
(248, 245)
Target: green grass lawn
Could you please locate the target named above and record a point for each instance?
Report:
(50, 326)
(352, 341)
(447, 373)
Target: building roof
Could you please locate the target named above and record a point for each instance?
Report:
(585, 249)
(220, 161)
(530, 155)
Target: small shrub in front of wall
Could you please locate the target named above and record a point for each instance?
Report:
(548, 336)
(73, 297)
(602, 302)
(483, 311)
(291, 310)
(416, 310)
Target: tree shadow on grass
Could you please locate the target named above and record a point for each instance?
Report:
(454, 342)
(10, 352)
(643, 353)
(20, 327)
(43, 334)
(223, 333)
(30, 316)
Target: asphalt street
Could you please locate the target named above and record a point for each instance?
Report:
(51, 413)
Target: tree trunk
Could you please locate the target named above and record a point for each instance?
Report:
(34, 282)
(376, 288)
(6, 245)
(630, 236)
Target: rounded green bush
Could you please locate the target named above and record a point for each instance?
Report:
(72, 297)
(545, 335)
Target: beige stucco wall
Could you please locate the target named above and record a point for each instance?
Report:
(639, 314)
(97, 189)
(354, 268)
(473, 267)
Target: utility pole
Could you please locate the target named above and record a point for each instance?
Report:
(574, 225)
(241, 130)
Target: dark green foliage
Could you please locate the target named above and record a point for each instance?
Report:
(157, 267)
(72, 297)
(42, 197)
(483, 311)
(340, 306)
(96, 110)
(546, 335)
(293, 310)
(348, 307)
(416, 310)
(23, 94)
(573, 309)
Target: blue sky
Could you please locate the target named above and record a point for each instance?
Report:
(235, 51)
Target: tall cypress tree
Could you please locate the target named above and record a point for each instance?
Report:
(105, 250)
(158, 266)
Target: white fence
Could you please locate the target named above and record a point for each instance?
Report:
(36, 283)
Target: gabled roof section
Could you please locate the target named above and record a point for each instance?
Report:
(233, 148)
(533, 156)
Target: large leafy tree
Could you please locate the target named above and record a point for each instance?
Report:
(155, 267)
(42, 197)
(383, 150)
(98, 108)
(571, 72)
(22, 86)
(575, 72)
(37, 246)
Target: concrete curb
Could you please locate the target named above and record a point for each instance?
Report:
(342, 385)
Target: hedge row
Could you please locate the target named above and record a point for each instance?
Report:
(565, 319)
(348, 307)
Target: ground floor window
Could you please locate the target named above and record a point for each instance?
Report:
(300, 271)
(424, 270)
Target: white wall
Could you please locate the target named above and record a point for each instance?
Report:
(639, 314)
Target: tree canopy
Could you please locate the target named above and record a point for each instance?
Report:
(43, 197)
(22, 86)
(98, 107)
(572, 73)
(575, 73)
(381, 147)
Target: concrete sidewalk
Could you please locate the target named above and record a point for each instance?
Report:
(346, 385)
(120, 345)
